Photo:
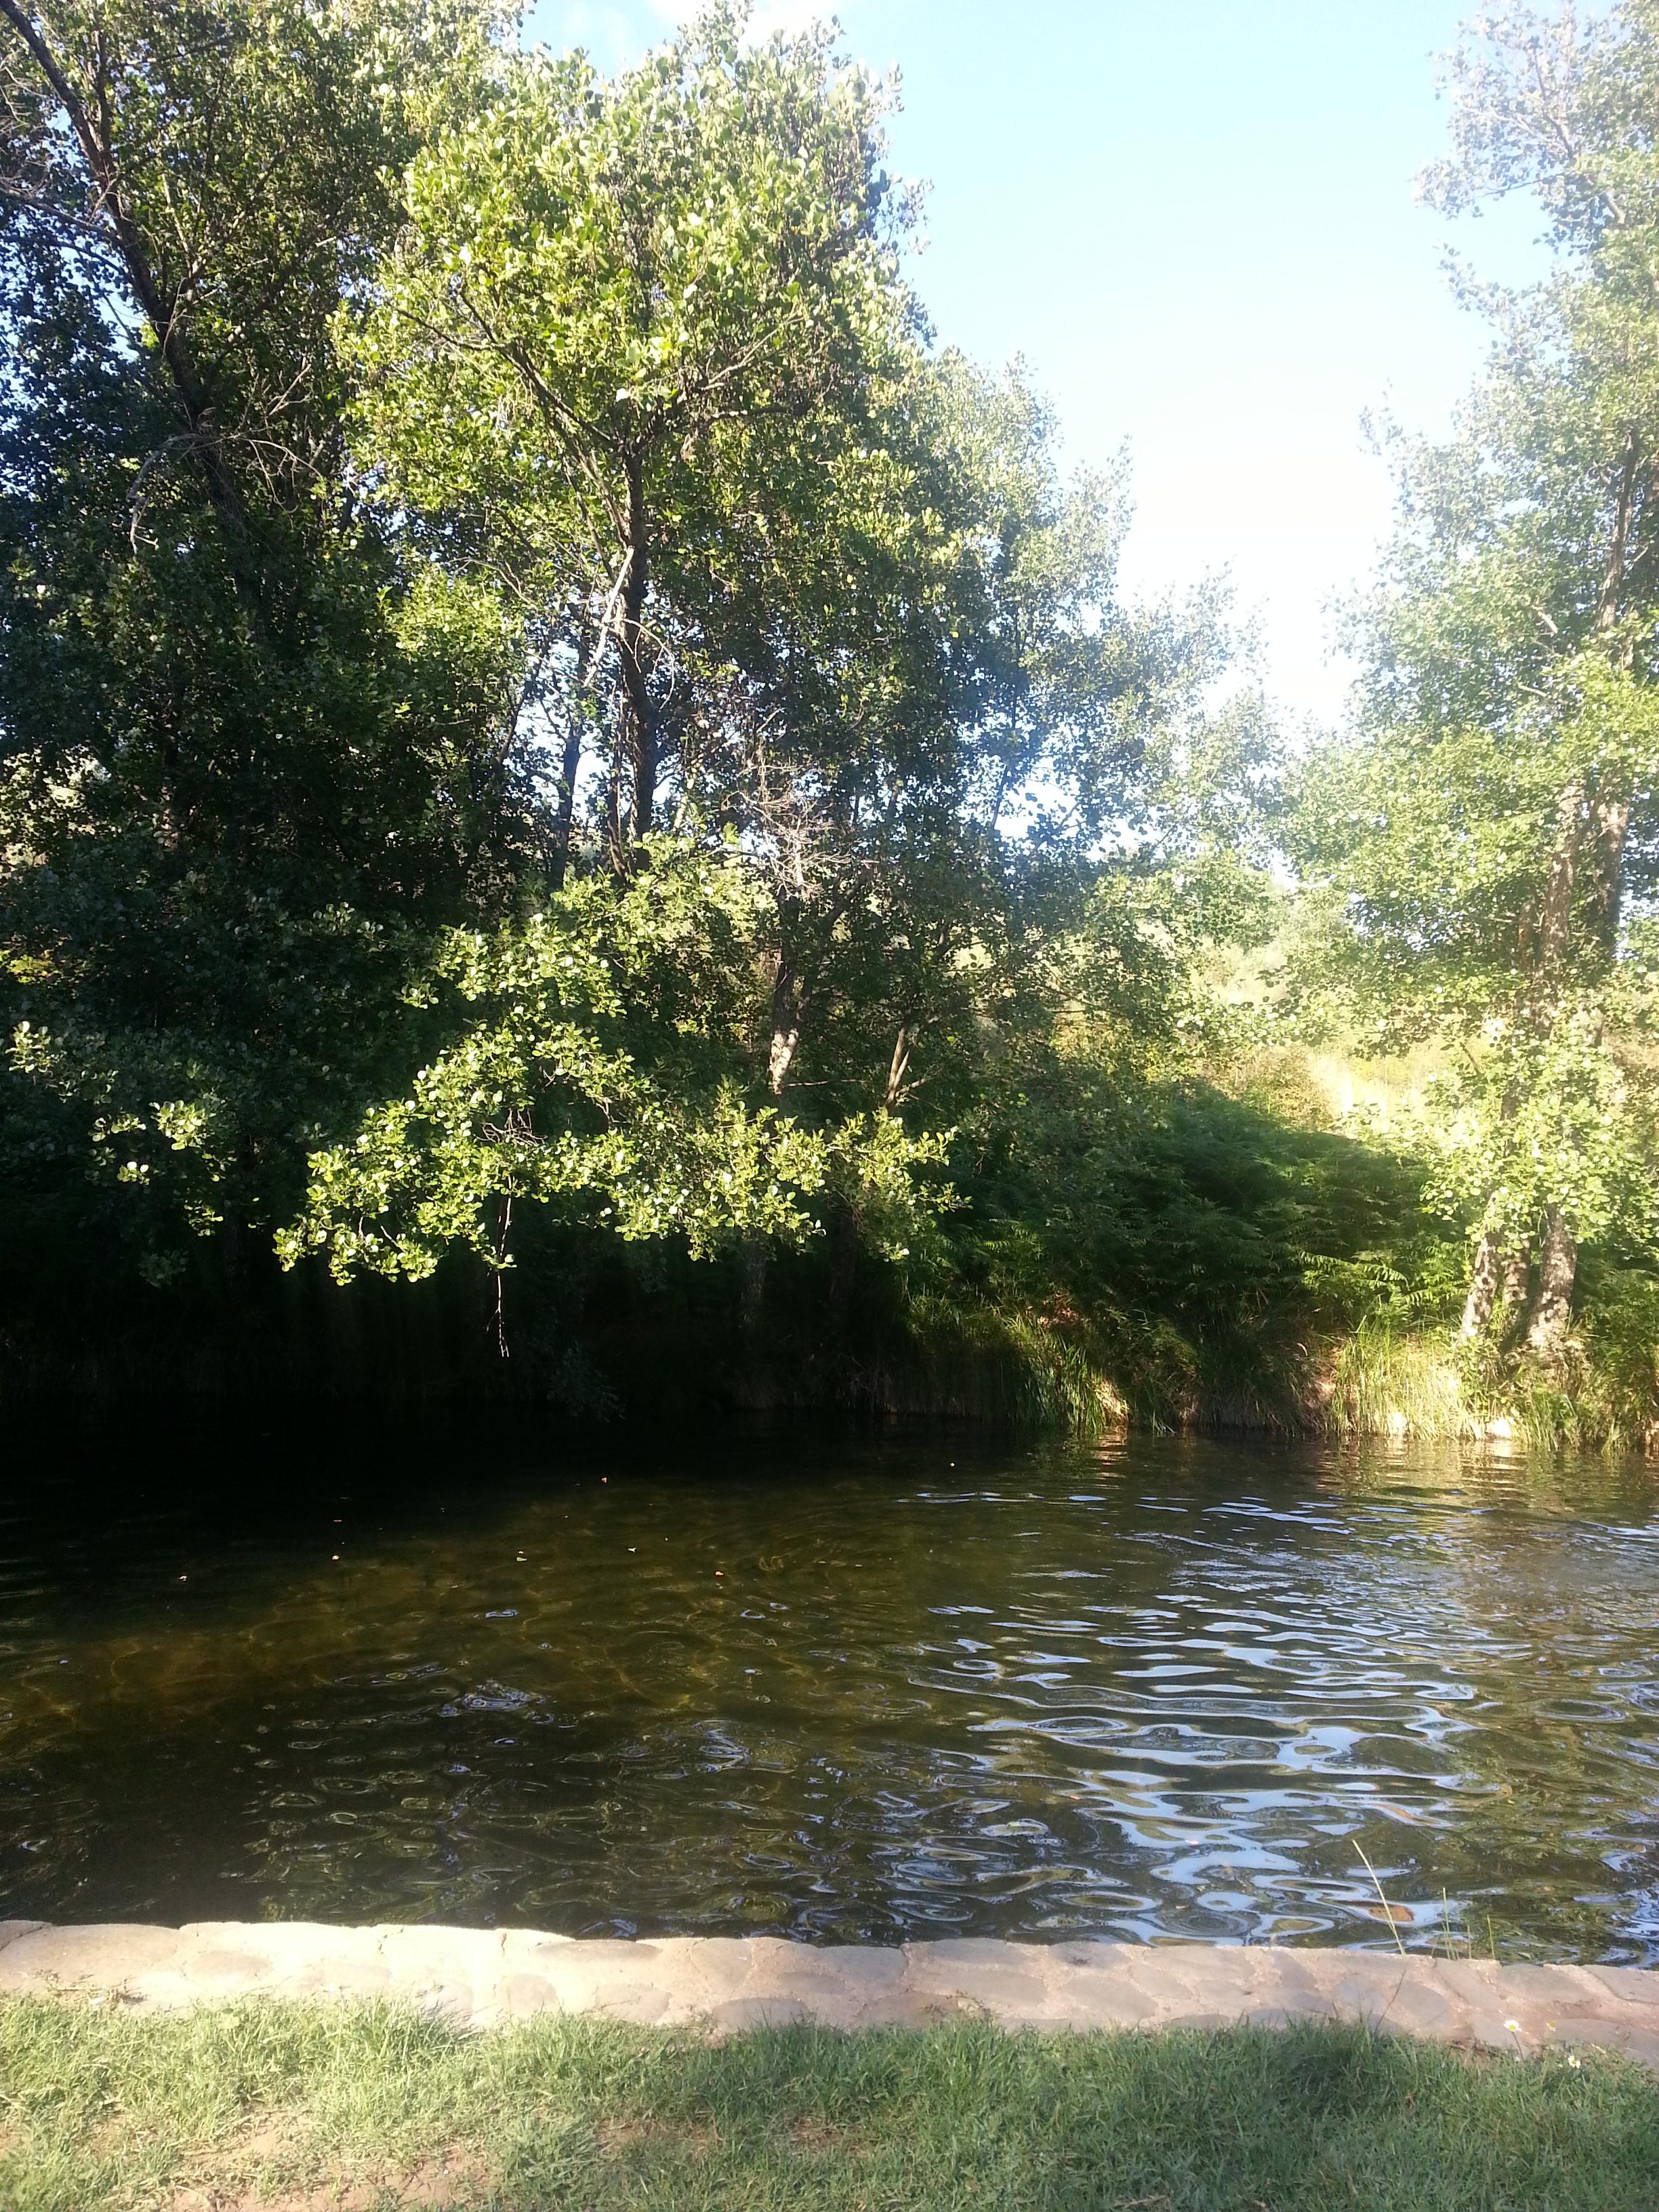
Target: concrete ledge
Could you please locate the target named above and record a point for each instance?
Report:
(480, 1978)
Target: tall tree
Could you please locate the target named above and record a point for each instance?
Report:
(244, 751)
(624, 348)
(1490, 837)
(644, 364)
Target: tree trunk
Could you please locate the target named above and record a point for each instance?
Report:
(616, 842)
(785, 1025)
(1552, 1308)
(570, 764)
(1483, 1286)
(1610, 826)
(639, 728)
(1550, 948)
(1517, 1276)
(1623, 508)
(898, 1068)
(569, 767)
(751, 1306)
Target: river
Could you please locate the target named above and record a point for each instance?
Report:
(833, 1689)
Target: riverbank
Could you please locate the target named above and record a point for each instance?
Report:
(1232, 1265)
(1048, 1366)
(347, 2084)
(475, 1978)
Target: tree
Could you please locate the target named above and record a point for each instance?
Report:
(247, 758)
(599, 1077)
(644, 365)
(1469, 909)
(1488, 839)
(529, 682)
(623, 352)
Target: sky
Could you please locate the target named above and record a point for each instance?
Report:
(1197, 223)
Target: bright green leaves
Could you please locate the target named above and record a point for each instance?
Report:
(589, 1076)
(636, 363)
(1482, 848)
(682, 270)
(230, 173)
(489, 1123)
(1473, 885)
(250, 760)
(1547, 1117)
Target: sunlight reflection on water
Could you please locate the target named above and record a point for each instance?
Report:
(1154, 1689)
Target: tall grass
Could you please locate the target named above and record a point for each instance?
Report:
(1386, 1381)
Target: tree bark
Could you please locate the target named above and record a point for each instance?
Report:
(751, 1299)
(570, 767)
(898, 1068)
(614, 841)
(785, 1025)
(1483, 1286)
(1557, 1266)
(1609, 826)
(1517, 1276)
(639, 728)
(1551, 946)
(1624, 509)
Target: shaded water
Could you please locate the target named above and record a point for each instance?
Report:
(843, 1690)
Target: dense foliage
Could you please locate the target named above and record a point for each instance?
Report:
(1488, 839)
(552, 740)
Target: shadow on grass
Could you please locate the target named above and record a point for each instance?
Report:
(364, 2106)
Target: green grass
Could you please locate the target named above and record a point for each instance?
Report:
(372, 2105)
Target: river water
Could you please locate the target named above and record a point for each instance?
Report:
(835, 1690)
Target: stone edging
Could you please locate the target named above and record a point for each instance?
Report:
(482, 1977)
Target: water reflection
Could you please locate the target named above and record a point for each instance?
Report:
(1156, 1689)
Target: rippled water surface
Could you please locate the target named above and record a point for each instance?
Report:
(835, 1691)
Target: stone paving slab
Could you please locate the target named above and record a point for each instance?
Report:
(481, 1978)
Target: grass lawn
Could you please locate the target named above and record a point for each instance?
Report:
(259, 2104)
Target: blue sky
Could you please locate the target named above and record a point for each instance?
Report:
(1197, 223)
